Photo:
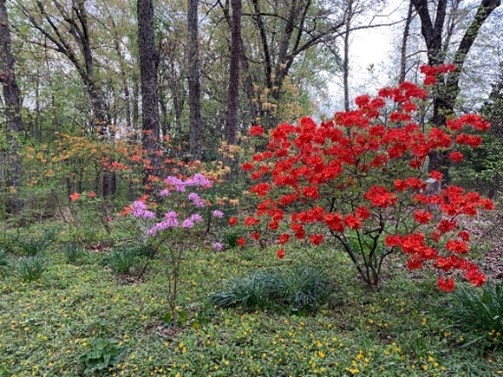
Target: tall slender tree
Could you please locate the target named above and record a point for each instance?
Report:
(448, 91)
(148, 73)
(233, 92)
(194, 79)
(14, 123)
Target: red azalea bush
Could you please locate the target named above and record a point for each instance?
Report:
(361, 179)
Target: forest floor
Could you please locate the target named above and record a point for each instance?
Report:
(80, 314)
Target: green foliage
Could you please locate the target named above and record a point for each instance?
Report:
(4, 260)
(103, 354)
(306, 288)
(123, 260)
(257, 290)
(36, 245)
(74, 253)
(480, 310)
(31, 268)
(230, 237)
(300, 288)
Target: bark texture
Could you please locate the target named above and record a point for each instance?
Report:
(11, 158)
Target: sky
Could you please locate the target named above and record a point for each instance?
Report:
(370, 53)
(373, 50)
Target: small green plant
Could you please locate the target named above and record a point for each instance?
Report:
(480, 310)
(230, 237)
(36, 245)
(31, 268)
(103, 354)
(4, 259)
(74, 253)
(300, 288)
(306, 288)
(257, 290)
(123, 261)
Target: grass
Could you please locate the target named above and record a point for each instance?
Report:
(401, 330)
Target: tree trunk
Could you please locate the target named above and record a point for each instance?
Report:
(233, 93)
(14, 124)
(403, 48)
(444, 101)
(149, 85)
(194, 80)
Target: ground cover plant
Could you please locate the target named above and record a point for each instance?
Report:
(401, 330)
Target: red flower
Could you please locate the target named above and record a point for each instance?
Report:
(256, 131)
(241, 241)
(233, 221)
(91, 194)
(422, 217)
(446, 226)
(311, 192)
(393, 240)
(281, 253)
(251, 221)
(436, 175)
(363, 213)
(380, 197)
(474, 276)
(255, 236)
(284, 238)
(446, 285)
(456, 156)
(352, 222)
(316, 239)
(464, 235)
(455, 246)
(261, 189)
(247, 166)
(75, 196)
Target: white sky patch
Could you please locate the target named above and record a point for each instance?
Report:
(370, 55)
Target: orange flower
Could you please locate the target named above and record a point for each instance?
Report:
(75, 196)
(125, 211)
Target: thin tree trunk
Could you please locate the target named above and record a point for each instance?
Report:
(233, 93)
(403, 48)
(14, 124)
(149, 84)
(444, 101)
(194, 80)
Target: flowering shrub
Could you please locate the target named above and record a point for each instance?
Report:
(167, 225)
(360, 179)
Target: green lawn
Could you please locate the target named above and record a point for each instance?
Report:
(402, 330)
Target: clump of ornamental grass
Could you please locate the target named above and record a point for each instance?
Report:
(74, 253)
(124, 260)
(479, 311)
(300, 288)
(31, 268)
